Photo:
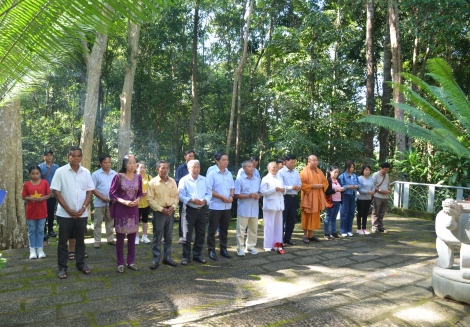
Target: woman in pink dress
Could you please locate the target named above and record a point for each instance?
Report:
(126, 191)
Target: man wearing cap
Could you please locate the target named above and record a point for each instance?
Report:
(48, 169)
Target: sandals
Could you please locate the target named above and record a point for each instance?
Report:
(305, 240)
(132, 267)
(120, 269)
(85, 270)
(72, 255)
(279, 248)
(62, 273)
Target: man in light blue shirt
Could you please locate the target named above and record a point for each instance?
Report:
(48, 169)
(247, 192)
(254, 160)
(221, 183)
(195, 194)
(102, 179)
(293, 184)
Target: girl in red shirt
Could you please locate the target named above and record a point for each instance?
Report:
(36, 191)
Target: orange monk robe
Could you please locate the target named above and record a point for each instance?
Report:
(312, 200)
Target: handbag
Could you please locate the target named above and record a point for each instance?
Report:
(329, 201)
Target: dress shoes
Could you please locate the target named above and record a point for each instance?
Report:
(169, 262)
(154, 265)
(184, 261)
(225, 254)
(212, 255)
(200, 259)
(314, 239)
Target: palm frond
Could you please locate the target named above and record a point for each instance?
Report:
(51, 29)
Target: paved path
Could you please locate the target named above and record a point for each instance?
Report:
(376, 280)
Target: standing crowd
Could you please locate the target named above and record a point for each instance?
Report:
(123, 199)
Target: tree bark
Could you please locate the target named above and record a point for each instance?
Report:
(13, 229)
(239, 119)
(93, 62)
(194, 108)
(397, 68)
(370, 83)
(237, 75)
(386, 95)
(124, 142)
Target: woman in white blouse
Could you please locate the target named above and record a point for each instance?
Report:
(272, 189)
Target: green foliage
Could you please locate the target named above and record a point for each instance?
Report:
(442, 116)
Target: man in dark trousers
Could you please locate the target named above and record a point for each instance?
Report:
(48, 169)
(182, 171)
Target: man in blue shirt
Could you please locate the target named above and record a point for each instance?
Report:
(182, 171)
(293, 184)
(102, 179)
(220, 181)
(247, 193)
(48, 169)
(254, 160)
(195, 194)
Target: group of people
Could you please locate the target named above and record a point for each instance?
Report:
(122, 199)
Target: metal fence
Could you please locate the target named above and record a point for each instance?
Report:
(424, 197)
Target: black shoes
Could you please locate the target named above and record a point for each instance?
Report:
(212, 255)
(154, 265)
(290, 242)
(224, 253)
(327, 237)
(314, 239)
(199, 259)
(169, 262)
(184, 261)
(52, 234)
(336, 236)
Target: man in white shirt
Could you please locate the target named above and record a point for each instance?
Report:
(72, 186)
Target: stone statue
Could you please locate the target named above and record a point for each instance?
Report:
(453, 230)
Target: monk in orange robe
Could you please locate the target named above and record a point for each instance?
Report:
(314, 185)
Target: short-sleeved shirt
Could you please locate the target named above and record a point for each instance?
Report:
(44, 169)
(190, 188)
(382, 182)
(36, 210)
(73, 187)
(143, 203)
(102, 184)
(247, 208)
(221, 183)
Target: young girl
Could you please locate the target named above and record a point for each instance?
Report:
(35, 192)
(364, 199)
(334, 190)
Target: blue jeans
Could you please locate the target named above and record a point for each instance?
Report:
(348, 207)
(330, 219)
(36, 232)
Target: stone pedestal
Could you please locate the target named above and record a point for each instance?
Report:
(448, 283)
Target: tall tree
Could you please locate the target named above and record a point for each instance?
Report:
(124, 142)
(13, 231)
(194, 108)
(397, 69)
(237, 75)
(370, 83)
(93, 60)
(386, 95)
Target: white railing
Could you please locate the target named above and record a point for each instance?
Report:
(424, 197)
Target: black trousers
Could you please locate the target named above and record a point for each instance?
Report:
(289, 215)
(195, 219)
(363, 207)
(180, 229)
(217, 217)
(51, 204)
(66, 225)
(162, 227)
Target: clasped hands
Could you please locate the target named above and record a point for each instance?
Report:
(168, 211)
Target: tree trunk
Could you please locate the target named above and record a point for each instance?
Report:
(237, 75)
(93, 62)
(370, 84)
(386, 96)
(124, 143)
(239, 119)
(397, 68)
(194, 108)
(13, 229)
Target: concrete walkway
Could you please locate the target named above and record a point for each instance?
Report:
(376, 280)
